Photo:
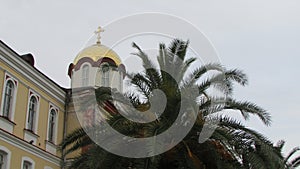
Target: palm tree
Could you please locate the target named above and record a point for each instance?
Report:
(289, 163)
(225, 144)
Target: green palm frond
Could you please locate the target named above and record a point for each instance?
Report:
(246, 108)
(161, 58)
(199, 72)
(151, 71)
(237, 76)
(256, 161)
(147, 63)
(294, 163)
(280, 144)
(143, 84)
(291, 153)
(187, 63)
(178, 47)
(72, 138)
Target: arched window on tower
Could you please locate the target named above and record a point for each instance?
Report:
(85, 75)
(8, 99)
(105, 75)
(121, 81)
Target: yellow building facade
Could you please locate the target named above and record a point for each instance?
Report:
(36, 113)
(32, 114)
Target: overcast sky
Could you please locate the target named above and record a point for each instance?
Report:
(260, 37)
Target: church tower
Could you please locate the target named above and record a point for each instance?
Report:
(94, 67)
(97, 66)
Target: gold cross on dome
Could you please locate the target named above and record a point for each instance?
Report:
(98, 32)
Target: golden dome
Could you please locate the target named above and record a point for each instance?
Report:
(96, 52)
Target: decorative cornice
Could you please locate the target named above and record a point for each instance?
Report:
(28, 87)
(14, 61)
(94, 63)
(23, 145)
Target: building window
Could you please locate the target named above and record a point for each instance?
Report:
(105, 76)
(4, 158)
(52, 125)
(85, 75)
(8, 99)
(32, 110)
(27, 165)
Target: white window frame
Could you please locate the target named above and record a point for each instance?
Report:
(85, 73)
(8, 99)
(120, 81)
(27, 159)
(52, 125)
(7, 156)
(14, 97)
(33, 103)
(36, 117)
(105, 75)
(52, 108)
